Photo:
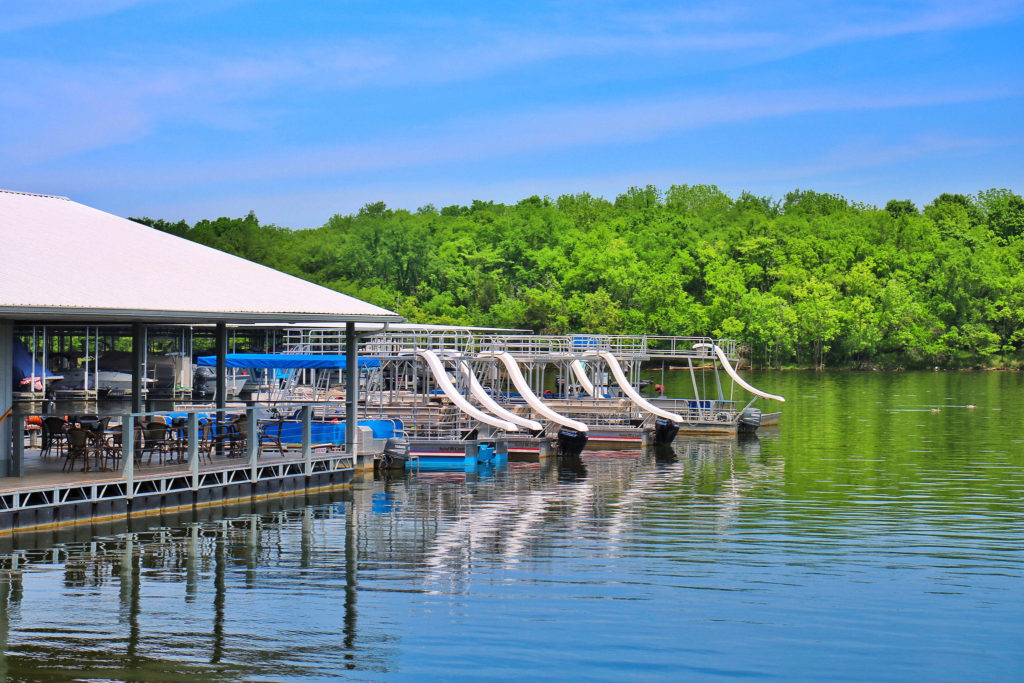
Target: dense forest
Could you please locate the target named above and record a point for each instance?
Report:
(809, 280)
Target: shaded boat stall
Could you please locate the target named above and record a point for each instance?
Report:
(146, 301)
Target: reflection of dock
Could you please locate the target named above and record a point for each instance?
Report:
(212, 559)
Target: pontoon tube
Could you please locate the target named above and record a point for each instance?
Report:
(631, 393)
(479, 393)
(445, 384)
(516, 375)
(732, 373)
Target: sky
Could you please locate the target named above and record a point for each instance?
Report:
(182, 109)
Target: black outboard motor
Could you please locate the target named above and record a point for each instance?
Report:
(750, 420)
(665, 431)
(201, 383)
(571, 442)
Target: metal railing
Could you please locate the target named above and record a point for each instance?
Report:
(659, 347)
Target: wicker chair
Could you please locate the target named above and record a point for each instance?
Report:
(155, 441)
(82, 444)
(270, 431)
(54, 435)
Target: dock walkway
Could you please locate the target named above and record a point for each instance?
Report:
(46, 496)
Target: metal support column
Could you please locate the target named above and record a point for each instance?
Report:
(138, 366)
(6, 395)
(351, 392)
(222, 383)
(222, 367)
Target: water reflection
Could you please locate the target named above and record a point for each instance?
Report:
(172, 580)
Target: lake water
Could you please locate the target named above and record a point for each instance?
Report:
(877, 534)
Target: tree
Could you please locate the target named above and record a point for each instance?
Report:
(897, 208)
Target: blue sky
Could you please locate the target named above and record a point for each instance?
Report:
(300, 110)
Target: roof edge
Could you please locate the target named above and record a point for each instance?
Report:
(43, 313)
(35, 194)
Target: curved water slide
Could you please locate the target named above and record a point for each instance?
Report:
(581, 377)
(732, 373)
(480, 394)
(523, 387)
(631, 393)
(446, 386)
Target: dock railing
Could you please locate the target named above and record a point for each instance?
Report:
(667, 347)
(46, 493)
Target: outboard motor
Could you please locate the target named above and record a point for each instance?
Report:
(665, 431)
(201, 382)
(571, 442)
(396, 452)
(750, 420)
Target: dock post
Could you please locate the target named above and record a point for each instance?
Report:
(351, 392)
(17, 461)
(307, 438)
(193, 448)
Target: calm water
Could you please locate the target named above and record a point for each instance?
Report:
(867, 538)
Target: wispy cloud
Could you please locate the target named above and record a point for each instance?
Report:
(17, 15)
(541, 130)
(168, 82)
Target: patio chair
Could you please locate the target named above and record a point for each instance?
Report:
(113, 449)
(238, 432)
(215, 436)
(53, 435)
(82, 444)
(270, 430)
(155, 441)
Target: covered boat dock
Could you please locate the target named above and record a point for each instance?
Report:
(71, 267)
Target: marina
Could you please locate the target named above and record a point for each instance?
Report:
(297, 387)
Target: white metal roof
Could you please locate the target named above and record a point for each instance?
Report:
(60, 260)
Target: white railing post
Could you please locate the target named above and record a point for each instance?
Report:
(307, 438)
(253, 444)
(193, 448)
(128, 452)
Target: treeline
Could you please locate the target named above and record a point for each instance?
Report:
(811, 279)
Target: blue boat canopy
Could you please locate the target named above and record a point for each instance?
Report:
(286, 360)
